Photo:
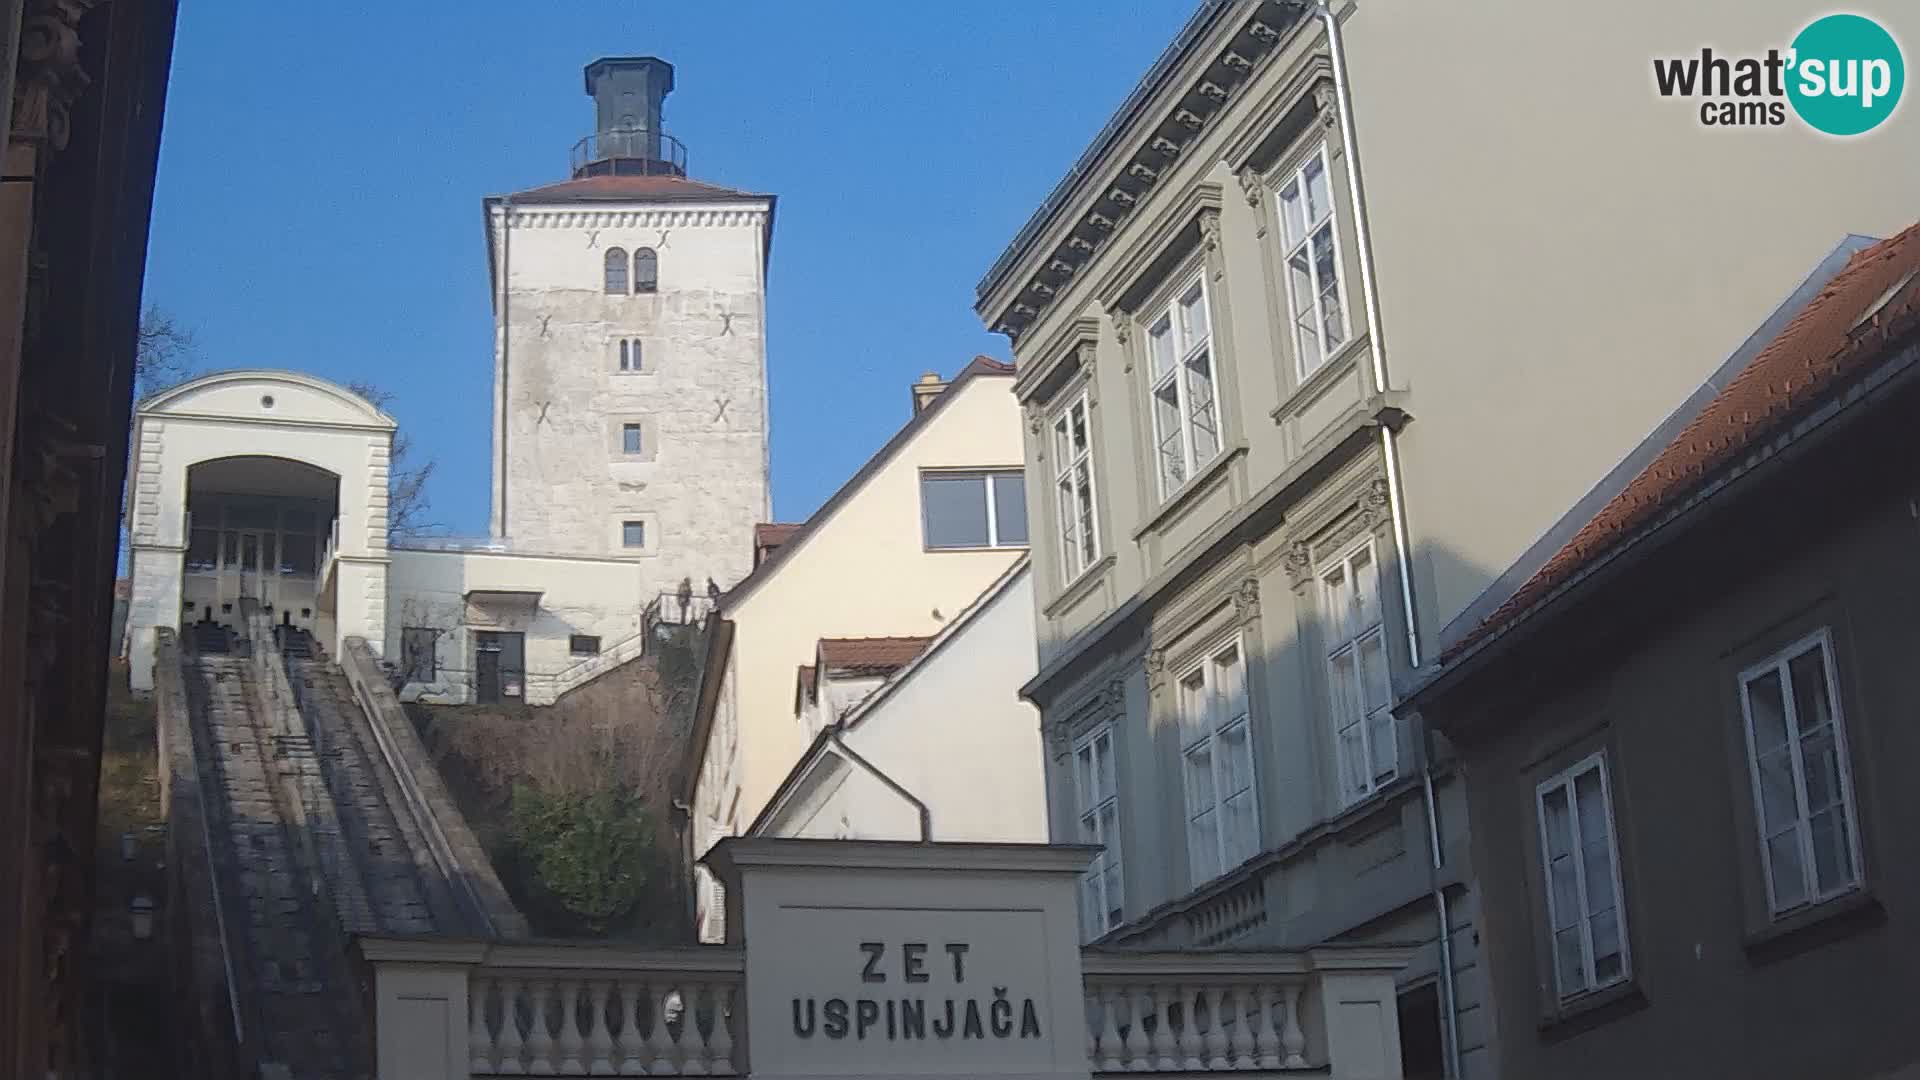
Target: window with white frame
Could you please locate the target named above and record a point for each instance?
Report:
(1217, 763)
(1357, 676)
(1802, 786)
(1581, 863)
(1073, 485)
(1186, 412)
(1316, 303)
(974, 509)
(1097, 799)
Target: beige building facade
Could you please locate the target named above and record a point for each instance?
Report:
(1253, 517)
(903, 548)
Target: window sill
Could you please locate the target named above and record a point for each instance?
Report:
(1188, 491)
(974, 548)
(1336, 367)
(1827, 921)
(1358, 815)
(1592, 1009)
(1079, 586)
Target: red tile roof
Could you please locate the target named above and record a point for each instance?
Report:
(874, 655)
(1812, 353)
(623, 188)
(768, 536)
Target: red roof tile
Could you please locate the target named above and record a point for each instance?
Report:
(623, 188)
(771, 534)
(873, 654)
(1812, 353)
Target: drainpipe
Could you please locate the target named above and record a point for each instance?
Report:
(1397, 509)
(926, 815)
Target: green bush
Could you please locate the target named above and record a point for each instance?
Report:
(589, 847)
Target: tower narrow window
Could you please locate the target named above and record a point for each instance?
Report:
(646, 270)
(630, 354)
(616, 272)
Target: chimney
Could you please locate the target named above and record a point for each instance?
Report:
(628, 137)
(926, 390)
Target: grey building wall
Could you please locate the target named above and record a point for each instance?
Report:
(1647, 673)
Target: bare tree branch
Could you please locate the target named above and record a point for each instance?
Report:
(163, 353)
(407, 501)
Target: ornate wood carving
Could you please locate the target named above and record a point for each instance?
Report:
(49, 76)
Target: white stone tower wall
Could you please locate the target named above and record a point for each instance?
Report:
(700, 483)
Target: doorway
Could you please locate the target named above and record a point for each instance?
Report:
(499, 666)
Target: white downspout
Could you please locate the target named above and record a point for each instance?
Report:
(1397, 508)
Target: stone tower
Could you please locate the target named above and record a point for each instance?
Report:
(630, 389)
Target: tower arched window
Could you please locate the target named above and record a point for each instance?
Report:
(616, 272)
(646, 270)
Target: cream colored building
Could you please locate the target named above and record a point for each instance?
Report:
(943, 748)
(629, 439)
(900, 550)
(1284, 427)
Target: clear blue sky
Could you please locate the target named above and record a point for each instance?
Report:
(322, 168)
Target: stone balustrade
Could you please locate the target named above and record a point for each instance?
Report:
(605, 1010)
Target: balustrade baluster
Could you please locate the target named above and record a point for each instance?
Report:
(1164, 1046)
(1293, 1041)
(1219, 1050)
(632, 1045)
(1260, 1050)
(722, 1041)
(600, 1042)
(660, 1048)
(572, 1038)
(512, 1048)
(1090, 997)
(479, 1042)
(539, 1038)
(1109, 998)
(1133, 1039)
(693, 1042)
(1190, 1041)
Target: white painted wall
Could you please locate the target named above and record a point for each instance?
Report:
(952, 730)
(700, 483)
(267, 413)
(861, 572)
(578, 595)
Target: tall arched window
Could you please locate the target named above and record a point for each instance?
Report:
(646, 270)
(616, 272)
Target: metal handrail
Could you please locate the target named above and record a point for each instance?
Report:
(632, 151)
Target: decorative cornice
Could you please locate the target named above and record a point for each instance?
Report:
(49, 76)
(1246, 601)
(1299, 561)
(1133, 174)
(1210, 239)
(1324, 104)
(538, 217)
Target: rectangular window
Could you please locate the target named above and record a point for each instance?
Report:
(630, 438)
(1315, 301)
(417, 645)
(1073, 484)
(1097, 800)
(1802, 786)
(1357, 676)
(1186, 416)
(974, 509)
(1581, 864)
(1217, 762)
(633, 534)
(583, 645)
